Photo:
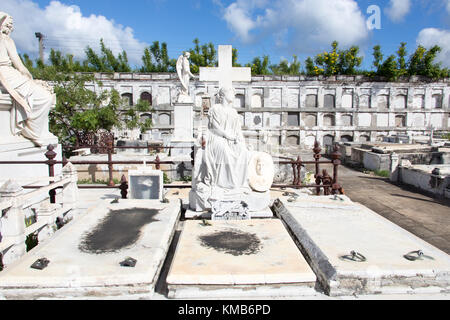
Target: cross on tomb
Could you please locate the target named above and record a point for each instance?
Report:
(225, 74)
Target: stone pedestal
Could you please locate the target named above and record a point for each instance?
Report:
(17, 148)
(183, 136)
(25, 150)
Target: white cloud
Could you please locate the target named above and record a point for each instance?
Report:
(431, 36)
(398, 9)
(299, 25)
(67, 29)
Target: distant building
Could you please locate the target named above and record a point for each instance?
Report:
(289, 112)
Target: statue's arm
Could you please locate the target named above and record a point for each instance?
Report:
(215, 126)
(15, 59)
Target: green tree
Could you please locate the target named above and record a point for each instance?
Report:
(401, 61)
(349, 61)
(377, 57)
(310, 67)
(106, 61)
(234, 58)
(389, 68)
(202, 56)
(79, 110)
(260, 66)
(286, 68)
(422, 62)
(132, 119)
(156, 59)
(327, 62)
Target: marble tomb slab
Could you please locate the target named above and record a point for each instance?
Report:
(245, 258)
(85, 255)
(328, 228)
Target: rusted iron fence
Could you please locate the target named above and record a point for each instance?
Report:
(323, 180)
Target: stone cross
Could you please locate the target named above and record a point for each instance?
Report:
(225, 73)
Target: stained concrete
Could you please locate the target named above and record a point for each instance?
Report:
(96, 271)
(261, 258)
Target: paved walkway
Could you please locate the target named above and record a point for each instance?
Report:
(422, 215)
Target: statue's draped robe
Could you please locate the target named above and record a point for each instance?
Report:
(40, 100)
(226, 161)
(183, 69)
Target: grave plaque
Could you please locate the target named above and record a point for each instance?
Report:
(146, 184)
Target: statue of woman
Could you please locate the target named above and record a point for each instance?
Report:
(185, 75)
(33, 98)
(226, 155)
(226, 170)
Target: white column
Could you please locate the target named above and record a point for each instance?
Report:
(70, 193)
(13, 222)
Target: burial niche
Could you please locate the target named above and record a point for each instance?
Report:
(311, 101)
(128, 97)
(145, 96)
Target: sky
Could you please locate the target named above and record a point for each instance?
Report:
(280, 29)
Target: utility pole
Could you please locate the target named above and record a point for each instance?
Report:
(41, 37)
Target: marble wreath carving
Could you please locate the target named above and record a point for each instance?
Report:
(225, 170)
(32, 99)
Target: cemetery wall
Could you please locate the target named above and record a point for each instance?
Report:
(420, 177)
(292, 111)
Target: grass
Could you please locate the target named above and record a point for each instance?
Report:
(382, 173)
(98, 181)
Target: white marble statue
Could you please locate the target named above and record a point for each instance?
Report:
(33, 99)
(225, 163)
(185, 75)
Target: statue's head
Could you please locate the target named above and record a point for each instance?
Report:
(187, 54)
(6, 23)
(226, 95)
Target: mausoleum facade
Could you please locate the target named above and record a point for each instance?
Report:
(294, 111)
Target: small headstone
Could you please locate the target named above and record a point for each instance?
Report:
(146, 184)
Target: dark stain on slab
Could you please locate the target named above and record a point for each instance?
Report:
(234, 242)
(118, 230)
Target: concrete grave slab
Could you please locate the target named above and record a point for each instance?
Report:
(330, 227)
(85, 255)
(245, 258)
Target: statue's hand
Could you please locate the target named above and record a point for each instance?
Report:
(45, 85)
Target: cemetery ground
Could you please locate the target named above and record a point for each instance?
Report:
(424, 216)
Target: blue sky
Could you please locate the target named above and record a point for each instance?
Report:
(255, 27)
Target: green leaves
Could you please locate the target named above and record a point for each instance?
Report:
(420, 63)
(106, 61)
(260, 66)
(80, 110)
(203, 56)
(335, 62)
(156, 59)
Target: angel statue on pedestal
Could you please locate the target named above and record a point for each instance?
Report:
(184, 73)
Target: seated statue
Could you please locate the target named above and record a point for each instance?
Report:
(32, 99)
(223, 168)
